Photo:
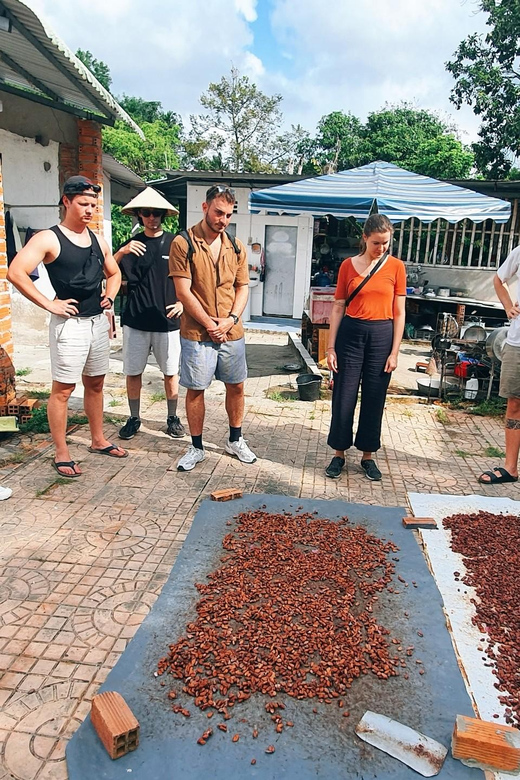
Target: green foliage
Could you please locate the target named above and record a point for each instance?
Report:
(121, 226)
(97, 67)
(442, 416)
(337, 141)
(412, 138)
(415, 139)
(494, 452)
(485, 69)
(38, 422)
(42, 394)
(494, 407)
(155, 397)
(23, 371)
(158, 150)
(77, 419)
(149, 111)
(238, 132)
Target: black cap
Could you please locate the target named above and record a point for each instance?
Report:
(76, 185)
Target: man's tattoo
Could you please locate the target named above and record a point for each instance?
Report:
(512, 424)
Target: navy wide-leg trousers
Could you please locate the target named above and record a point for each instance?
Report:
(362, 348)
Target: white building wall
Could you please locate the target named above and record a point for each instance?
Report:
(31, 193)
(250, 228)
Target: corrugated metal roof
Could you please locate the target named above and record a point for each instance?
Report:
(36, 59)
(119, 172)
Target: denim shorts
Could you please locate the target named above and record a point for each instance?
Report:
(203, 360)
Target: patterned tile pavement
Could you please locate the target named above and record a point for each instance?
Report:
(82, 563)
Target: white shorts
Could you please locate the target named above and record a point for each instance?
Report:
(79, 346)
(137, 345)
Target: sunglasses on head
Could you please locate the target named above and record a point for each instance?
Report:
(219, 189)
(151, 212)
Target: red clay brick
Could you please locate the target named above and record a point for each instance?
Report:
(487, 745)
(419, 522)
(226, 495)
(115, 724)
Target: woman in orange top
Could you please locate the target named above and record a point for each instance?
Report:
(364, 344)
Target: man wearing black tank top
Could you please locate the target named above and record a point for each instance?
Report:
(77, 261)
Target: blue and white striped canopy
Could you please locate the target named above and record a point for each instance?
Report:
(381, 187)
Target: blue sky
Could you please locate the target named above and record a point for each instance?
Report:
(353, 55)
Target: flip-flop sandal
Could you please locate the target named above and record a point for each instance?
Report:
(505, 476)
(65, 464)
(108, 451)
(371, 470)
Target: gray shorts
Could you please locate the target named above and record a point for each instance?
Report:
(79, 346)
(510, 372)
(203, 360)
(137, 345)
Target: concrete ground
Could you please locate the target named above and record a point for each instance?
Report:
(82, 561)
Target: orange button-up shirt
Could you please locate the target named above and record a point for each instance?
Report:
(213, 284)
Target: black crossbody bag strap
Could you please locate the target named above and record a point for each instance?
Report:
(366, 279)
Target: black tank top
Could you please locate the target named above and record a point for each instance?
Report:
(70, 261)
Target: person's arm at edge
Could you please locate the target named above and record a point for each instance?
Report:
(43, 247)
(502, 290)
(399, 320)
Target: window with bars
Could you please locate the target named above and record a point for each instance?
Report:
(464, 244)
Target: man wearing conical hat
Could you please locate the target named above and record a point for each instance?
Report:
(151, 316)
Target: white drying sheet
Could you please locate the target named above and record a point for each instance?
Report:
(456, 595)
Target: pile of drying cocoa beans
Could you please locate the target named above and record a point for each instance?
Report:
(289, 610)
(490, 546)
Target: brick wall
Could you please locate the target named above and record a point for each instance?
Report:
(68, 162)
(7, 380)
(90, 163)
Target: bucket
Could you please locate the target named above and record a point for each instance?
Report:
(308, 387)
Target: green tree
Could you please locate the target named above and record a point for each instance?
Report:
(148, 111)
(97, 67)
(337, 141)
(487, 78)
(158, 150)
(414, 139)
(239, 127)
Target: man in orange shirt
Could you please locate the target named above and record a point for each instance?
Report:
(211, 281)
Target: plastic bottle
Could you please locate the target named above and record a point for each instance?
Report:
(471, 388)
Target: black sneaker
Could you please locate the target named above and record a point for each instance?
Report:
(335, 467)
(130, 428)
(371, 470)
(174, 427)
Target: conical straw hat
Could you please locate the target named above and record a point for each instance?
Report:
(149, 199)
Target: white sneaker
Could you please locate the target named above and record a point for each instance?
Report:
(5, 493)
(241, 450)
(190, 459)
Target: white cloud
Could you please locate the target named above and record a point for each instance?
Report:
(369, 53)
(357, 55)
(247, 8)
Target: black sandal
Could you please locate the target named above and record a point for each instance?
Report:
(494, 479)
(371, 470)
(66, 464)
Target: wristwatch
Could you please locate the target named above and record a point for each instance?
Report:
(234, 318)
